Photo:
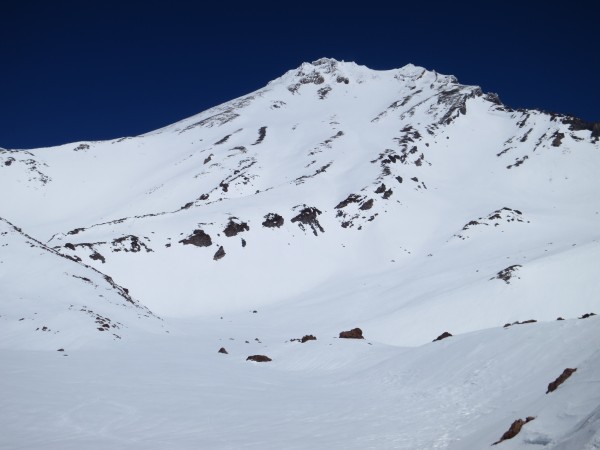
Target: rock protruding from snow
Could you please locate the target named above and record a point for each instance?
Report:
(352, 198)
(444, 335)
(506, 274)
(495, 219)
(560, 380)
(129, 243)
(354, 333)
(273, 220)
(506, 325)
(198, 238)
(234, 227)
(219, 254)
(514, 429)
(305, 338)
(258, 358)
(309, 216)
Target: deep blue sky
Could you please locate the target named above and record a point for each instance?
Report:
(90, 70)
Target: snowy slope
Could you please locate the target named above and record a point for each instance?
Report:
(460, 393)
(337, 196)
(415, 191)
(51, 302)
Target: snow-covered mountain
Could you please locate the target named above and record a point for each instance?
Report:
(337, 196)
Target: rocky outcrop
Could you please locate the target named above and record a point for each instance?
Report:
(506, 325)
(560, 380)
(308, 216)
(198, 238)
(305, 338)
(234, 227)
(258, 358)
(219, 254)
(514, 429)
(129, 243)
(273, 220)
(506, 274)
(352, 198)
(444, 335)
(355, 333)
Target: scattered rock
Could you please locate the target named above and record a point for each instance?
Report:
(560, 318)
(444, 335)
(587, 315)
(323, 92)
(560, 380)
(258, 358)
(129, 243)
(222, 350)
(514, 429)
(81, 147)
(69, 246)
(198, 238)
(219, 254)
(506, 325)
(506, 274)
(355, 333)
(60, 350)
(273, 220)
(306, 338)
(233, 228)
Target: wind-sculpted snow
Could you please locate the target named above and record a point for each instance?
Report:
(401, 203)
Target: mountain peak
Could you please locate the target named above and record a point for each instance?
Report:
(330, 71)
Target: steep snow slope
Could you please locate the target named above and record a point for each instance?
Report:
(49, 301)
